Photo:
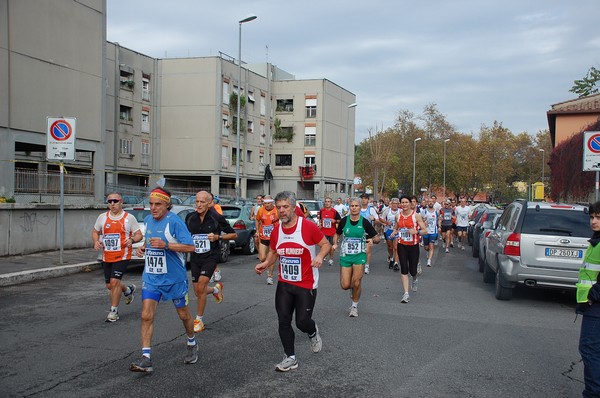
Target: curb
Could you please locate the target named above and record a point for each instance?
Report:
(16, 278)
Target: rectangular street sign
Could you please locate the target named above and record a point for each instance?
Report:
(591, 151)
(60, 144)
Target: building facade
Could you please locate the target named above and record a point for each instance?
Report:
(141, 120)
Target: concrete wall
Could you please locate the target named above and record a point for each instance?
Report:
(33, 228)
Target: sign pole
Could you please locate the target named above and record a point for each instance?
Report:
(62, 211)
(597, 183)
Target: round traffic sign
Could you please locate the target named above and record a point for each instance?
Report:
(61, 130)
(593, 143)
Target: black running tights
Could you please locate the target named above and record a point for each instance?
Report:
(290, 298)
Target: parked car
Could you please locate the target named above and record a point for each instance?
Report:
(313, 206)
(140, 213)
(175, 200)
(536, 244)
(487, 227)
(475, 215)
(477, 227)
(238, 217)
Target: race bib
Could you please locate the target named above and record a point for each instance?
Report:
(267, 229)
(201, 243)
(405, 236)
(290, 269)
(112, 242)
(431, 225)
(156, 261)
(447, 216)
(327, 223)
(352, 246)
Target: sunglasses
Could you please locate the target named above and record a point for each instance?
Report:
(113, 201)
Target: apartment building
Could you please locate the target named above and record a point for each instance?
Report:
(141, 119)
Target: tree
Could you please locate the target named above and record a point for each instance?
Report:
(588, 85)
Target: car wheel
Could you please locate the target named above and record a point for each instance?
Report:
(481, 262)
(224, 251)
(250, 246)
(501, 292)
(488, 274)
(475, 250)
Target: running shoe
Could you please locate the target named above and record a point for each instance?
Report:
(353, 312)
(198, 325)
(447, 251)
(367, 269)
(288, 363)
(330, 262)
(415, 283)
(217, 275)
(429, 263)
(315, 342)
(405, 298)
(143, 365)
(462, 247)
(129, 297)
(112, 316)
(218, 296)
(391, 263)
(419, 269)
(191, 355)
(452, 244)
(269, 280)
(396, 267)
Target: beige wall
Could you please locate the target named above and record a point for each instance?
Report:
(567, 125)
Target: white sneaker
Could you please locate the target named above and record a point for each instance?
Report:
(367, 269)
(315, 342)
(112, 316)
(269, 280)
(429, 263)
(330, 262)
(217, 276)
(405, 298)
(447, 251)
(415, 283)
(353, 312)
(288, 363)
(420, 269)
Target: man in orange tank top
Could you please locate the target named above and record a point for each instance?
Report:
(266, 217)
(114, 233)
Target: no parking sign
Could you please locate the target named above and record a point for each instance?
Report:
(61, 138)
(591, 151)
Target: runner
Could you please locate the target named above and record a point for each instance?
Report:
(114, 233)
(295, 241)
(253, 211)
(445, 223)
(341, 208)
(388, 220)
(214, 205)
(206, 226)
(437, 206)
(328, 220)
(165, 276)
(370, 214)
(462, 221)
(430, 218)
(266, 217)
(408, 244)
(353, 254)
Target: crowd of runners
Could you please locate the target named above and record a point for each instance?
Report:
(286, 236)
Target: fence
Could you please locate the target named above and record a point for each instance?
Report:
(33, 186)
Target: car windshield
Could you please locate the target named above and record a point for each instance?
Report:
(231, 212)
(556, 223)
(139, 214)
(311, 206)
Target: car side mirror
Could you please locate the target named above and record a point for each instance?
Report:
(471, 223)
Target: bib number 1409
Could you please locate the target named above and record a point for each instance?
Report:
(289, 268)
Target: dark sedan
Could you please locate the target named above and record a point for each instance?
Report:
(238, 217)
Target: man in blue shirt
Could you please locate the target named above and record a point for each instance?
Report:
(167, 239)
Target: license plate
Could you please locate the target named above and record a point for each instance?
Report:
(566, 253)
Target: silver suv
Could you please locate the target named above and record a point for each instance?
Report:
(536, 244)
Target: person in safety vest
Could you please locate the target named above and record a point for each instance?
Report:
(588, 304)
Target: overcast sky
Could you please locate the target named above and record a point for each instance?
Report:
(479, 61)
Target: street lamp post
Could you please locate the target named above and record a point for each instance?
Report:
(445, 142)
(239, 102)
(415, 162)
(353, 105)
(543, 156)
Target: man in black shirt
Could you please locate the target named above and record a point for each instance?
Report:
(206, 226)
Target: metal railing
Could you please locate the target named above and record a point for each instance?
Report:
(34, 181)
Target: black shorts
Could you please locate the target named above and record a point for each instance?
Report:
(329, 239)
(446, 228)
(265, 242)
(205, 267)
(114, 270)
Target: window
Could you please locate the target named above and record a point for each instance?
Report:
(126, 78)
(125, 146)
(251, 96)
(309, 160)
(283, 160)
(224, 157)
(261, 158)
(285, 105)
(225, 92)
(263, 105)
(145, 122)
(125, 114)
(311, 108)
(250, 126)
(225, 130)
(145, 148)
(145, 89)
(249, 156)
(310, 136)
(234, 156)
(262, 133)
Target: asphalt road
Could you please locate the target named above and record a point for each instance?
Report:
(454, 339)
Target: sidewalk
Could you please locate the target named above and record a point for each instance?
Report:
(15, 270)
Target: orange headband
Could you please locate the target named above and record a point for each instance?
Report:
(161, 195)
